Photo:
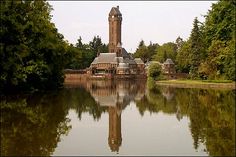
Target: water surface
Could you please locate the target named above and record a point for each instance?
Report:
(119, 118)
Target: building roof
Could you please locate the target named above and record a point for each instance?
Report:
(123, 66)
(111, 58)
(105, 58)
(138, 60)
(105, 100)
(130, 61)
(115, 11)
(168, 61)
(125, 54)
(95, 60)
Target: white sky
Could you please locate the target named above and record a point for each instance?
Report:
(156, 21)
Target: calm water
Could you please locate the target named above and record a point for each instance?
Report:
(119, 118)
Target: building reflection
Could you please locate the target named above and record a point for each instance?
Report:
(115, 95)
(169, 94)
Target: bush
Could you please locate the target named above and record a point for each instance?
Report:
(155, 71)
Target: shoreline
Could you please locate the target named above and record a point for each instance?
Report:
(196, 84)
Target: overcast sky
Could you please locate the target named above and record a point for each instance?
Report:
(156, 21)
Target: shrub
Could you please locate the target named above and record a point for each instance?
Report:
(155, 71)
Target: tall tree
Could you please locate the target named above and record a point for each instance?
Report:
(79, 43)
(183, 59)
(179, 42)
(141, 51)
(145, 52)
(151, 48)
(219, 33)
(81, 55)
(167, 50)
(197, 48)
(31, 48)
(96, 45)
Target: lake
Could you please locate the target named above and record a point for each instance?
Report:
(119, 118)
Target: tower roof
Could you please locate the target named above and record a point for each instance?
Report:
(115, 11)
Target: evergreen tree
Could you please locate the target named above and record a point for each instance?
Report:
(167, 50)
(197, 48)
(219, 34)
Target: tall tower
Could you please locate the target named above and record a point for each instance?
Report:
(115, 19)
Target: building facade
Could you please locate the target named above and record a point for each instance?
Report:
(118, 62)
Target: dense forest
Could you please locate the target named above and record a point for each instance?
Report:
(209, 52)
(34, 54)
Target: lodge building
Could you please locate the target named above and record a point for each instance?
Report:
(118, 62)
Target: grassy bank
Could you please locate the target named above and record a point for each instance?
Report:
(199, 83)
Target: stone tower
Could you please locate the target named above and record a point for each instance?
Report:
(115, 19)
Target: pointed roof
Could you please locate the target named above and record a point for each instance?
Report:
(125, 53)
(105, 58)
(119, 45)
(168, 61)
(115, 11)
(138, 61)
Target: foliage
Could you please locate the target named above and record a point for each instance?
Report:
(145, 52)
(32, 50)
(167, 50)
(81, 55)
(220, 38)
(197, 48)
(209, 53)
(183, 58)
(220, 22)
(179, 43)
(154, 71)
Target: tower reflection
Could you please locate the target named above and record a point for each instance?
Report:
(115, 138)
(115, 95)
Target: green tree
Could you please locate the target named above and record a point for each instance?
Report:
(141, 51)
(81, 55)
(219, 34)
(196, 48)
(183, 58)
(220, 22)
(79, 43)
(97, 46)
(151, 49)
(32, 51)
(154, 71)
(167, 50)
(145, 52)
(179, 43)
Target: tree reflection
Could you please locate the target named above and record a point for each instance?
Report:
(82, 101)
(211, 114)
(32, 125)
